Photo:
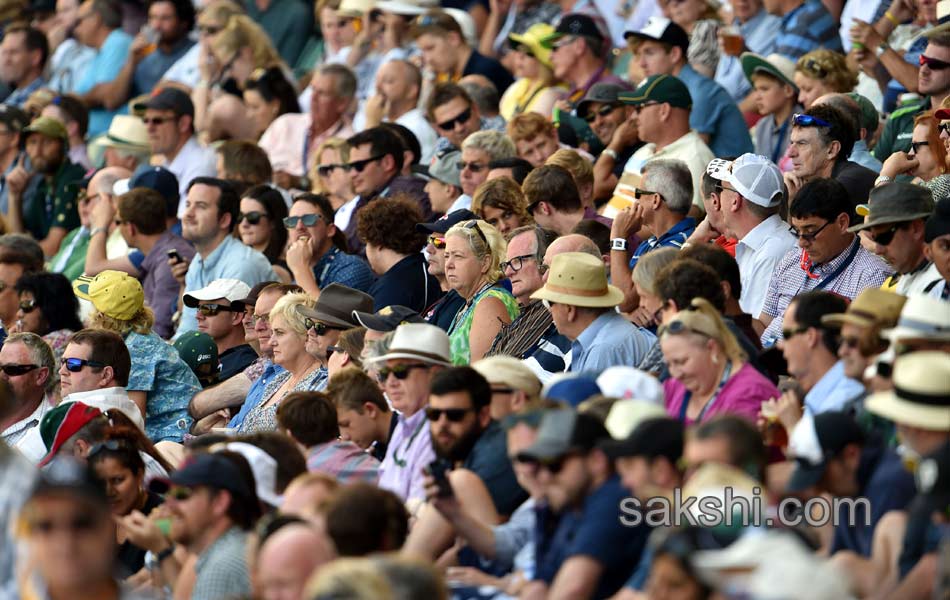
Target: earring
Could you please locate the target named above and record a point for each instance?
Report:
(715, 359)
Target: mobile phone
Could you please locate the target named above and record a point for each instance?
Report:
(439, 469)
(174, 256)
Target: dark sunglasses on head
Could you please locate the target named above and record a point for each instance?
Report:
(318, 327)
(308, 221)
(212, 310)
(813, 67)
(933, 64)
(885, 237)
(809, 121)
(75, 365)
(359, 165)
(253, 218)
(76, 524)
(603, 111)
(473, 224)
(15, 370)
(325, 170)
(28, 306)
(454, 415)
(400, 371)
(437, 241)
(459, 119)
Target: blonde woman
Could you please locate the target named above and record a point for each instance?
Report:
(822, 72)
(329, 175)
(536, 88)
(473, 254)
(709, 372)
(160, 382)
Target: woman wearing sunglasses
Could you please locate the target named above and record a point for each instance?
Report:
(822, 72)
(473, 254)
(926, 161)
(536, 89)
(709, 372)
(261, 226)
(302, 371)
(329, 175)
(47, 308)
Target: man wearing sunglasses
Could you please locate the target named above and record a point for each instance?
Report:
(442, 312)
(894, 224)
(454, 115)
(220, 318)
(614, 126)
(330, 316)
(27, 366)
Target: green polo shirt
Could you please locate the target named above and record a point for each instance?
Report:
(54, 202)
(899, 129)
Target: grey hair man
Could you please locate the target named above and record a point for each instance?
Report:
(28, 366)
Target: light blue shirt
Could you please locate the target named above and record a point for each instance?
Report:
(104, 67)
(759, 35)
(715, 113)
(609, 341)
(861, 155)
(256, 393)
(833, 391)
(230, 260)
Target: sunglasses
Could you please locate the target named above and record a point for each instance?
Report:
(254, 319)
(111, 445)
(516, 263)
(253, 218)
(916, 146)
(77, 524)
(850, 342)
(213, 310)
(28, 306)
(400, 371)
(474, 167)
(637, 193)
(455, 415)
(556, 465)
(808, 237)
(603, 111)
(565, 41)
(180, 493)
(15, 370)
(308, 221)
(332, 349)
(318, 327)
(459, 119)
(157, 120)
(75, 365)
(944, 127)
(885, 237)
(437, 242)
(933, 64)
(473, 224)
(809, 121)
(325, 170)
(524, 50)
(359, 165)
(788, 334)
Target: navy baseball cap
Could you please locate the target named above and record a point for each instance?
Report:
(446, 222)
(168, 98)
(209, 470)
(162, 181)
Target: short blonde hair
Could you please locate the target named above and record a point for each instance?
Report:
(286, 308)
(495, 248)
(575, 164)
(350, 578)
(650, 264)
(703, 322)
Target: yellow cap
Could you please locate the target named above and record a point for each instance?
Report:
(113, 293)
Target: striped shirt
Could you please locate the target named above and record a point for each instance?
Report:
(865, 270)
(344, 460)
(806, 28)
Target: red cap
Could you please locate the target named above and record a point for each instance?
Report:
(62, 423)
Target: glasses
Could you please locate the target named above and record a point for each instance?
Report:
(455, 415)
(437, 242)
(933, 64)
(111, 445)
(603, 111)
(850, 342)
(16, 370)
(325, 170)
(157, 120)
(318, 327)
(474, 167)
(84, 197)
(76, 524)
(808, 237)
(943, 127)
(459, 119)
(253, 218)
(265, 319)
(27, 306)
(809, 121)
(524, 50)
(639, 107)
(359, 165)
(516, 263)
(547, 304)
(75, 365)
(213, 310)
(473, 224)
(308, 221)
(119, 222)
(180, 493)
(720, 189)
(788, 334)
(332, 349)
(564, 41)
(208, 29)
(556, 465)
(637, 193)
(885, 237)
(400, 371)
(915, 146)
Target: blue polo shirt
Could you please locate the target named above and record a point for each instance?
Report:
(150, 69)
(256, 393)
(350, 270)
(716, 114)
(610, 341)
(674, 238)
(806, 28)
(489, 460)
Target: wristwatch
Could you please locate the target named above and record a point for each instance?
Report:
(881, 49)
(618, 244)
(95, 230)
(611, 153)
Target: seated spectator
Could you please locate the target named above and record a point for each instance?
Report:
(329, 178)
(485, 94)
(396, 100)
(47, 308)
(170, 119)
(501, 203)
(219, 317)
(478, 151)
(553, 199)
(363, 415)
(535, 137)
(580, 169)
(776, 100)
(661, 49)
(868, 121)
(27, 366)
(288, 557)
(453, 114)
(512, 168)
(200, 353)
(514, 387)
(317, 254)
(26, 50)
(442, 312)
(925, 160)
(473, 252)
(46, 143)
(243, 162)
(268, 95)
(831, 258)
(444, 187)
(582, 303)
(310, 419)
(72, 113)
(126, 143)
(614, 126)
(261, 225)
(160, 383)
(363, 519)
(806, 24)
(937, 237)
(710, 373)
(535, 88)
(327, 319)
(14, 121)
(579, 65)
(822, 72)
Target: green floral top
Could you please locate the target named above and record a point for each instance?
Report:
(462, 324)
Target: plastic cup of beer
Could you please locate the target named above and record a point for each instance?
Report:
(732, 42)
(774, 433)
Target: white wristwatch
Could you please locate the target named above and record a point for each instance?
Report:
(618, 244)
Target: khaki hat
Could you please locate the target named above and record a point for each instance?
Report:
(126, 132)
(895, 202)
(579, 279)
(921, 394)
(419, 341)
(49, 127)
(510, 372)
(872, 306)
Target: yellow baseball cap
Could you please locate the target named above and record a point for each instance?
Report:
(113, 293)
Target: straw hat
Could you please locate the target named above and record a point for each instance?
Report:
(419, 341)
(579, 279)
(921, 394)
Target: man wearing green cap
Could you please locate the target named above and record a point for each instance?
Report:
(48, 211)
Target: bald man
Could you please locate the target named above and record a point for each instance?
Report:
(287, 560)
(306, 495)
(398, 85)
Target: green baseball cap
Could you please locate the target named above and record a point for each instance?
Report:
(200, 353)
(659, 89)
(869, 115)
(49, 127)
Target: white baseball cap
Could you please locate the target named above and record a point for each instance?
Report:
(755, 177)
(229, 289)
